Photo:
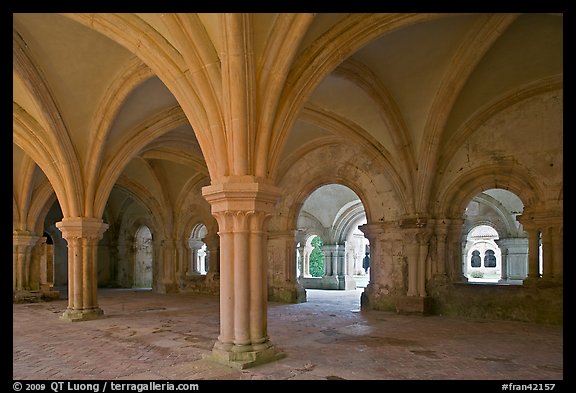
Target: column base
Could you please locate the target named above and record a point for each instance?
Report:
(81, 315)
(27, 296)
(346, 283)
(287, 294)
(330, 282)
(244, 356)
(420, 305)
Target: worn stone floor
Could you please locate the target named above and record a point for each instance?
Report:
(148, 336)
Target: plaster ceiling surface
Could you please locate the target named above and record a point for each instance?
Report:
(79, 64)
(325, 202)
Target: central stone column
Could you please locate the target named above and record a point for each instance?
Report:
(82, 235)
(242, 207)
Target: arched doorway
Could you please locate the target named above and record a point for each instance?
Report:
(334, 248)
(143, 258)
(198, 255)
(494, 243)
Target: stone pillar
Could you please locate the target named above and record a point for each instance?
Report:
(300, 253)
(441, 230)
(533, 253)
(82, 235)
(454, 251)
(183, 261)
(388, 267)
(284, 285)
(306, 261)
(552, 251)
(557, 244)
(411, 253)
(547, 222)
(373, 233)
(416, 244)
(331, 256)
(242, 208)
(345, 270)
(503, 260)
(22, 244)
(34, 269)
(42, 253)
(423, 239)
(169, 262)
(416, 238)
(514, 258)
(212, 242)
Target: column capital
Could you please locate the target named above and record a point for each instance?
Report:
(82, 227)
(540, 218)
(241, 194)
(24, 238)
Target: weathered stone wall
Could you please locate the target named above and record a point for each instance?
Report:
(541, 303)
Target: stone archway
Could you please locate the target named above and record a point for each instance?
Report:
(143, 258)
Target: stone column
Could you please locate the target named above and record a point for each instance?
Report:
(423, 238)
(42, 249)
(306, 261)
(82, 235)
(331, 257)
(416, 243)
(212, 242)
(533, 253)
(169, 260)
(411, 253)
(504, 260)
(548, 223)
(37, 267)
(284, 285)
(557, 244)
(454, 251)
(441, 230)
(552, 251)
(242, 208)
(300, 254)
(345, 269)
(22, 244)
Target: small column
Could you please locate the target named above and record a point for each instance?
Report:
(169, 260)
(423, 239)
(416, 237)
(557, 252)
(533, 253)
(441, 238)
(300, 254)
(345, 269)
(22, 244)
(454, 251)
(82, 235)
(547, 253)
(212, 242)
(283, 285)
(504, 262)
(330, 278)
(306, 261)
(411, 253)
(242, 207)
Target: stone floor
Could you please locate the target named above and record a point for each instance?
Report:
(148, 336)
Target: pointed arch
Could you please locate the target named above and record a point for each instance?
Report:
(134, 74)
(56, 142)
(473, 47)
(506, 175)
